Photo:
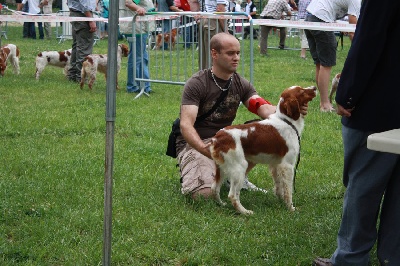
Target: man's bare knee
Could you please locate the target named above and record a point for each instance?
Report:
(203, 193)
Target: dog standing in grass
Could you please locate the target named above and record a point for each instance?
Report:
(9, 53)
(53, 58)
(274, 141)
(98, 63)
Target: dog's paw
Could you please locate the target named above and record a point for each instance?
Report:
(247, 212)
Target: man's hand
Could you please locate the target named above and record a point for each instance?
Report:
(141, 11)
(304, 109)
(342, 111)
(92, 25)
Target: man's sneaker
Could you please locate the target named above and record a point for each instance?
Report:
(247, 185)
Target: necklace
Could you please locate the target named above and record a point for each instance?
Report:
(226, 87)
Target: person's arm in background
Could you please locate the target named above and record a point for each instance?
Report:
(172, 7)
(134, 7)
(352, 20)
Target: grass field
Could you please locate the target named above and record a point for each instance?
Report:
(52, 176)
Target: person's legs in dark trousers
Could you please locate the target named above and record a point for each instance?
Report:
(32, 30)
(209, 28)
(246, 32)
(41, 33)
(282, 38)
(388, 239)
(264, 39)
(189, 30)
(82, 46)
(366, 176)
(26, 30)
(167, 26)
(40, 27)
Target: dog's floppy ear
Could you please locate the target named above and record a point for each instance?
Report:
(290, 106)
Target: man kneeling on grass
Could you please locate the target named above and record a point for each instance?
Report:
(200, 94)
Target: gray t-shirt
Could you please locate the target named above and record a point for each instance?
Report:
(200, 90)
(331, 10)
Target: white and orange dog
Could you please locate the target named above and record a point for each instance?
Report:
(274, 141)
(53, 58)
(9, 53)
(98, 63)
(169, 37)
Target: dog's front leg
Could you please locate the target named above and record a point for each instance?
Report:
(283, 176)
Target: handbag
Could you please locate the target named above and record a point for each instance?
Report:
(176, 130)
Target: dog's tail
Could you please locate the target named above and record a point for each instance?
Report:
(335, 83)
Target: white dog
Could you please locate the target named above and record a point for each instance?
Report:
(98, 62)
(9, 53)
(53, 58)
(274, 141)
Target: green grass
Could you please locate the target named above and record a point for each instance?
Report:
(52, 152)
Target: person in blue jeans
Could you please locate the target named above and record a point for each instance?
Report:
(142, 64)
(129, 8)
(367, 99)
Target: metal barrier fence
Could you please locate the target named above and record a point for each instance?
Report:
(174, 60)
(4, 25)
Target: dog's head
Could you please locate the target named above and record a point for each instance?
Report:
(293, 98)
(65, 56)
(124, 49)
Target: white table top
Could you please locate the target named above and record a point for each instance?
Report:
(388, 141)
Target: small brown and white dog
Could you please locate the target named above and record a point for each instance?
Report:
(98, 63)
(274, 141)
(9, 53)
(335, 83)
(168, 37)
(53, 58)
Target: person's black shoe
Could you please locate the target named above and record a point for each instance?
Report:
(322, 262)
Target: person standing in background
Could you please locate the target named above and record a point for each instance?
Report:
(323, 43)
(47, 7)
(128, 8)
(238, 8)
(274, 9)
(250, 10)
(209, 28)
(367, 98)
(34, 8)
(24, 8)
(83, 33)
(167, 6)
(103, 6)
(301, 15)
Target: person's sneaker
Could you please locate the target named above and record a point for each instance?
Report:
(247, 185)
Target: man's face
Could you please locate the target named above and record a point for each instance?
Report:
(227, 59)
